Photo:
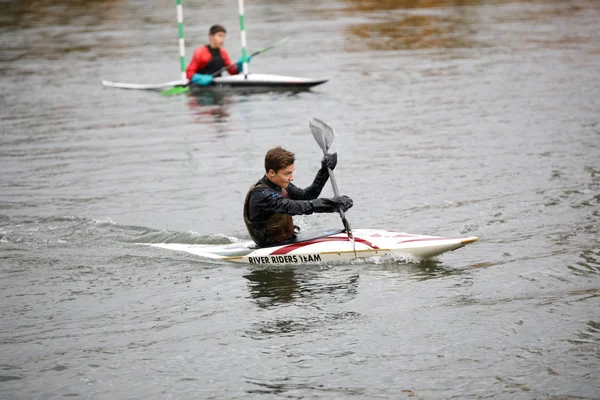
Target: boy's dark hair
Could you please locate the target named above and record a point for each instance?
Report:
(278, 158)
(216, 29)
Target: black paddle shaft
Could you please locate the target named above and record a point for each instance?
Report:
(336, 192)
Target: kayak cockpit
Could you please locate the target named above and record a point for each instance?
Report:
(302, 237)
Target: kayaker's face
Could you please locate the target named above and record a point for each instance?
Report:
(217, 40)
(283, 177)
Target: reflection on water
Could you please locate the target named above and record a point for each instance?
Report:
(210, 98)
(300, 322)
(286, 388)
(25, 14)
(418, 271)
(448, 28)
(301, 290)
(450, 24)
(589, 264)
(270, 287)
(375, 5)
(412, 32)
(50, 30)
(276, 286)
(210, 108)
(589, 336)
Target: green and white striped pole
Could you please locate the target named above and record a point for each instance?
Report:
(243, 38)
(181, 41)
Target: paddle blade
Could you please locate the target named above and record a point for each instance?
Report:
(175, 91)
(323, 134)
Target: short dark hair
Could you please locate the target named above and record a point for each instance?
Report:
(278, 158)
(216, 29)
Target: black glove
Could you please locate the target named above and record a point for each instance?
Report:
(344, 202)
(323, 205)
(329, 161)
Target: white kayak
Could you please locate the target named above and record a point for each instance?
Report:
(325, 246)
(261, 82)
(249, 83)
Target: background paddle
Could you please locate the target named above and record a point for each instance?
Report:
(179, 89)
(324, 135)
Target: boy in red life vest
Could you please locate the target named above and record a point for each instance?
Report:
(211, 58)
(271, 202)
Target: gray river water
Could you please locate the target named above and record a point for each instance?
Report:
(454, 118)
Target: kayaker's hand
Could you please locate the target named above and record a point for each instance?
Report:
(323, 205)
(344, 202)
(202, 79)
(329, 161)
(240, 62)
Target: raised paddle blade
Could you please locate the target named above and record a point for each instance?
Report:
(323, 134)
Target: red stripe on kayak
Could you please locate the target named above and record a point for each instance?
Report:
(424, 240)
(292, 247)
(396, 235)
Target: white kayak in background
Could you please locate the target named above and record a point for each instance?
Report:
(264, 82)
(239, 82)
(324, 246)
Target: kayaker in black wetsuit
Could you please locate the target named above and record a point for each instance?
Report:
(271, 202)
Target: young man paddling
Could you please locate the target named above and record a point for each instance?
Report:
(211, 58)
(271, 202)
